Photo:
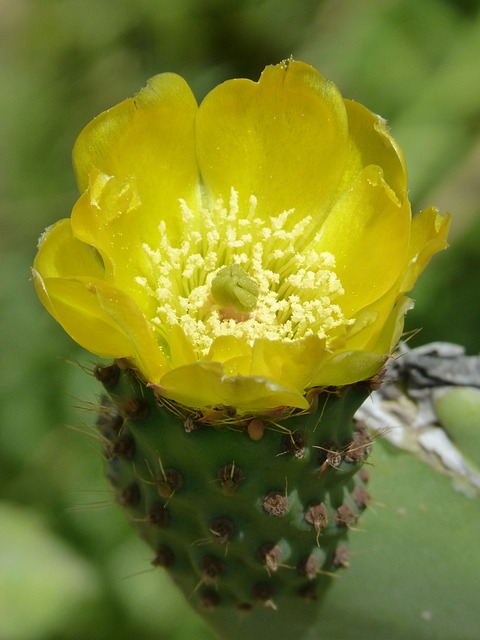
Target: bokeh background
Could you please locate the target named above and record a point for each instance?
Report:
(70, 567)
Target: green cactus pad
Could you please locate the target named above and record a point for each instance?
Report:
(247, 513)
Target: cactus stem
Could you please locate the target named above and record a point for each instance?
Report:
(250, 515)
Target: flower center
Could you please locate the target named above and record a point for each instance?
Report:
(242, 275)
(234, 290)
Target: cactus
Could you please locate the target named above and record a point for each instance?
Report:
(246, 263)
(245, 514)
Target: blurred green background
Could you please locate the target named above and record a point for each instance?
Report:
(70, 567)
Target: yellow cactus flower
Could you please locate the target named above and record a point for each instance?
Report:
(243, 251)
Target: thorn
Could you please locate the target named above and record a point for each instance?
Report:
(317, 515)
(169, 482)
(108, 375)
(230, 477)
(263, 593)
(222, 530)
(345, 517)
(275, 504)
(209, 599)
(212, 569)
(130, 496)
(135, 409)
(164, 558)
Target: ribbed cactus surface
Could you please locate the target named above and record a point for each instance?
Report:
(244, 512)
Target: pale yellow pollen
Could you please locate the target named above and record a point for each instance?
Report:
(298, 290)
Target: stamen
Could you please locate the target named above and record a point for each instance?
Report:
(235, 273)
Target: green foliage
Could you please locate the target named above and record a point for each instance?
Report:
(28, 553)
(415, 566)
(459, 413)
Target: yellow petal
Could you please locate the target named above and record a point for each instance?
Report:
(151, 137)
(68, 276)
(205, 384)
(180, 349)
(387, 339)
(371, 143)
(109, 216)
(233, 353)
(291, 362)
(106, 216)
(155, 268)
(368, 350)
(60, 254)
(368, 233)
(282, 139)
(348, 367)
(429, 235)
(76, 307)
(373, 322)
(144, 349)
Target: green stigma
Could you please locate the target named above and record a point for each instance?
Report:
(233, 288)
